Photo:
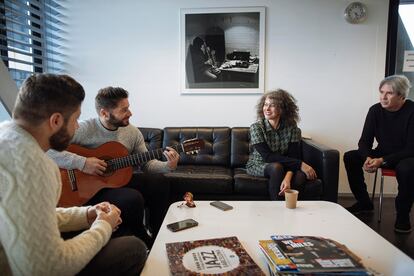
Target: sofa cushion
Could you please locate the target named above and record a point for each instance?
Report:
(153, 137)
(216, 151)
(257, 186)
(249, 185)
(201, 179)
(240, 148)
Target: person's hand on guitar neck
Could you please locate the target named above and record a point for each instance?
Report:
(172, 157)
(94, 166)
(105, 211)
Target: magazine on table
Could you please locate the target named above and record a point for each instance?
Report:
(279, 264)
(220, 256)
(315, 256)
(276, 260)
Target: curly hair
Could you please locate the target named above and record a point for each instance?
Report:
(285, 103)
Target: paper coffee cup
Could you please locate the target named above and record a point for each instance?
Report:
(291, 197)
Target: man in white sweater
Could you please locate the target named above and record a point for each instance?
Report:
(45, 116)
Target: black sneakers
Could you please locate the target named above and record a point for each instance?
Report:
(402, 225)
(359, 208)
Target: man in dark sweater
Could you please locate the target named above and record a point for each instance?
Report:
(391, 123)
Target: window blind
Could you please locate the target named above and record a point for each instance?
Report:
(30, 37)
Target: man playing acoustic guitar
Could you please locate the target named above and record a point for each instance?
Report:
(45, 116)
(112, 106)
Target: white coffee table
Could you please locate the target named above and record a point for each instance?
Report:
(251, 221)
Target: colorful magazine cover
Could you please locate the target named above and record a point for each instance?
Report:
(275, 257)
(318, 255)
(221, 256)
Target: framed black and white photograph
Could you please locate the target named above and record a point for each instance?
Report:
(222, 50)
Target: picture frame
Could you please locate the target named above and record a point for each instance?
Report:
(222, 50)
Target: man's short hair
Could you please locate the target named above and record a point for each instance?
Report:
(399, 83)
(41, 95)
(109, 97)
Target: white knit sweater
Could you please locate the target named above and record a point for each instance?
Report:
(30, 223)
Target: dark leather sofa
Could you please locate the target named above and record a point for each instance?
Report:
(218, 170)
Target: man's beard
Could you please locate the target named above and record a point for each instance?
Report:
(113, 121)
(61, 139)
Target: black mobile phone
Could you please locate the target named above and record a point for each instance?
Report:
(181, 225)
(221, 205)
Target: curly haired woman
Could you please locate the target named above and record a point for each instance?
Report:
(275, 141)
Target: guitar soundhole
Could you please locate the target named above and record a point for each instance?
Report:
(108, 173)
(110, 169)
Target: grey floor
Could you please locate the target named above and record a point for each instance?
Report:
(405, 242)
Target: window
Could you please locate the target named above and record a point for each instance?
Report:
(30, 37)
(401, 40)
(30, 40)
(4, 115)
(405, 42)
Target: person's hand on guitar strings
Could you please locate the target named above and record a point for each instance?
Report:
(172, 157)
(94, 166)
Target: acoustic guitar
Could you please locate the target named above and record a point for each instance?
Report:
(78, 187)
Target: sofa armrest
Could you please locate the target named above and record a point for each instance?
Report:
(325, 161)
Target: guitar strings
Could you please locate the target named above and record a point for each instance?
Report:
(136, 159)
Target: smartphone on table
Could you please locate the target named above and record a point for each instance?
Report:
(221, 205)
(181, 225)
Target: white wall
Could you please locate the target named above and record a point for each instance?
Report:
(330, 66)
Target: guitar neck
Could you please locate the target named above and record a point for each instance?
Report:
(139, 158)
